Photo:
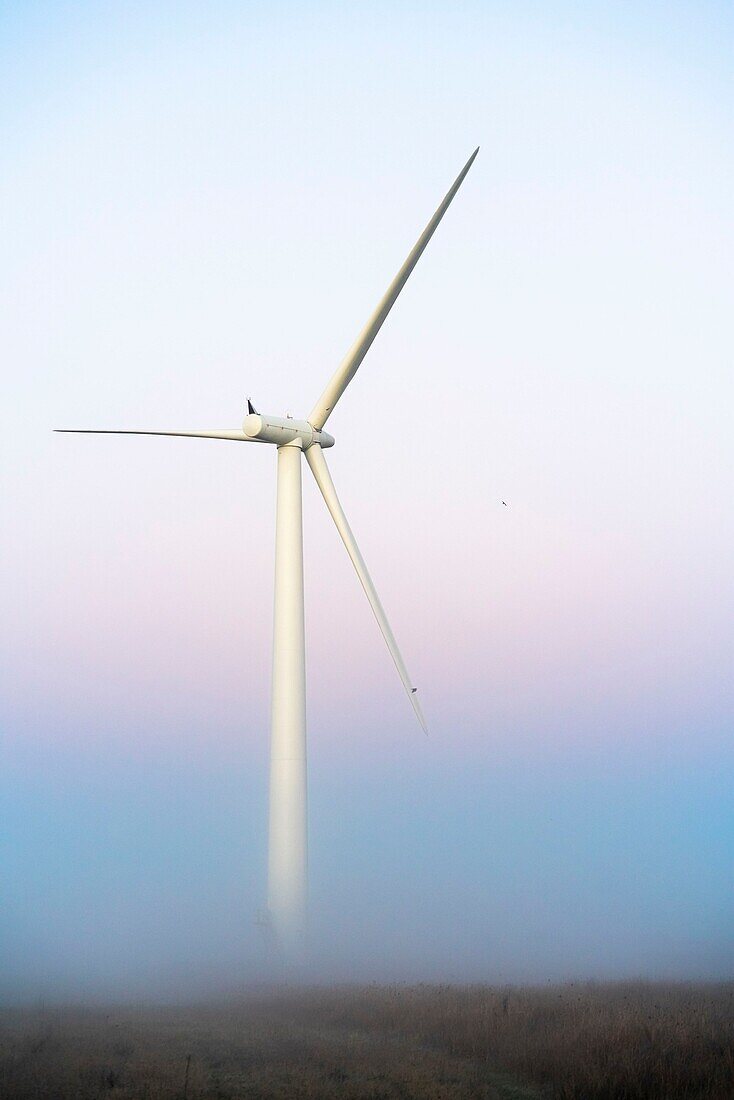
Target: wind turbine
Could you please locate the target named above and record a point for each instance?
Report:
(287, 840)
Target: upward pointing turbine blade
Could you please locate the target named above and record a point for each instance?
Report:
(325, 405)
(319, 469)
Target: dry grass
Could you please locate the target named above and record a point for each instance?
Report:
(579, 1042)
(590, 1042)
(246, 1050)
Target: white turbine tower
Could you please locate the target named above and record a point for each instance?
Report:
(287, 857)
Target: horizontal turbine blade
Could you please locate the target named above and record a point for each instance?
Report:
(319, 469)
(325, 405)
(215, 433)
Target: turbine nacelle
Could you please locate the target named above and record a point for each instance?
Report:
(274, 429)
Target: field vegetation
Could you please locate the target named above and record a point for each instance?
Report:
(571, 1042)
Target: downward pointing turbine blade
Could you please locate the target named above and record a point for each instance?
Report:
(346, 372)
(214, 433)
(319, 469)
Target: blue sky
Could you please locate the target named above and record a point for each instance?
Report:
(203, 205)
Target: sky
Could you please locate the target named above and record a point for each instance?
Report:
(203, 204)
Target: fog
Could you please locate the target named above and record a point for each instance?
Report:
(206, 204)
(147, 875)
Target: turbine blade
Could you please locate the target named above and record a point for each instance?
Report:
(214, 433)
(346, 372)
(319, 469)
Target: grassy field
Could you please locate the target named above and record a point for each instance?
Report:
(587, 1042)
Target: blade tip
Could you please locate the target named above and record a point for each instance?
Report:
(469, 163)
(418, 710)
